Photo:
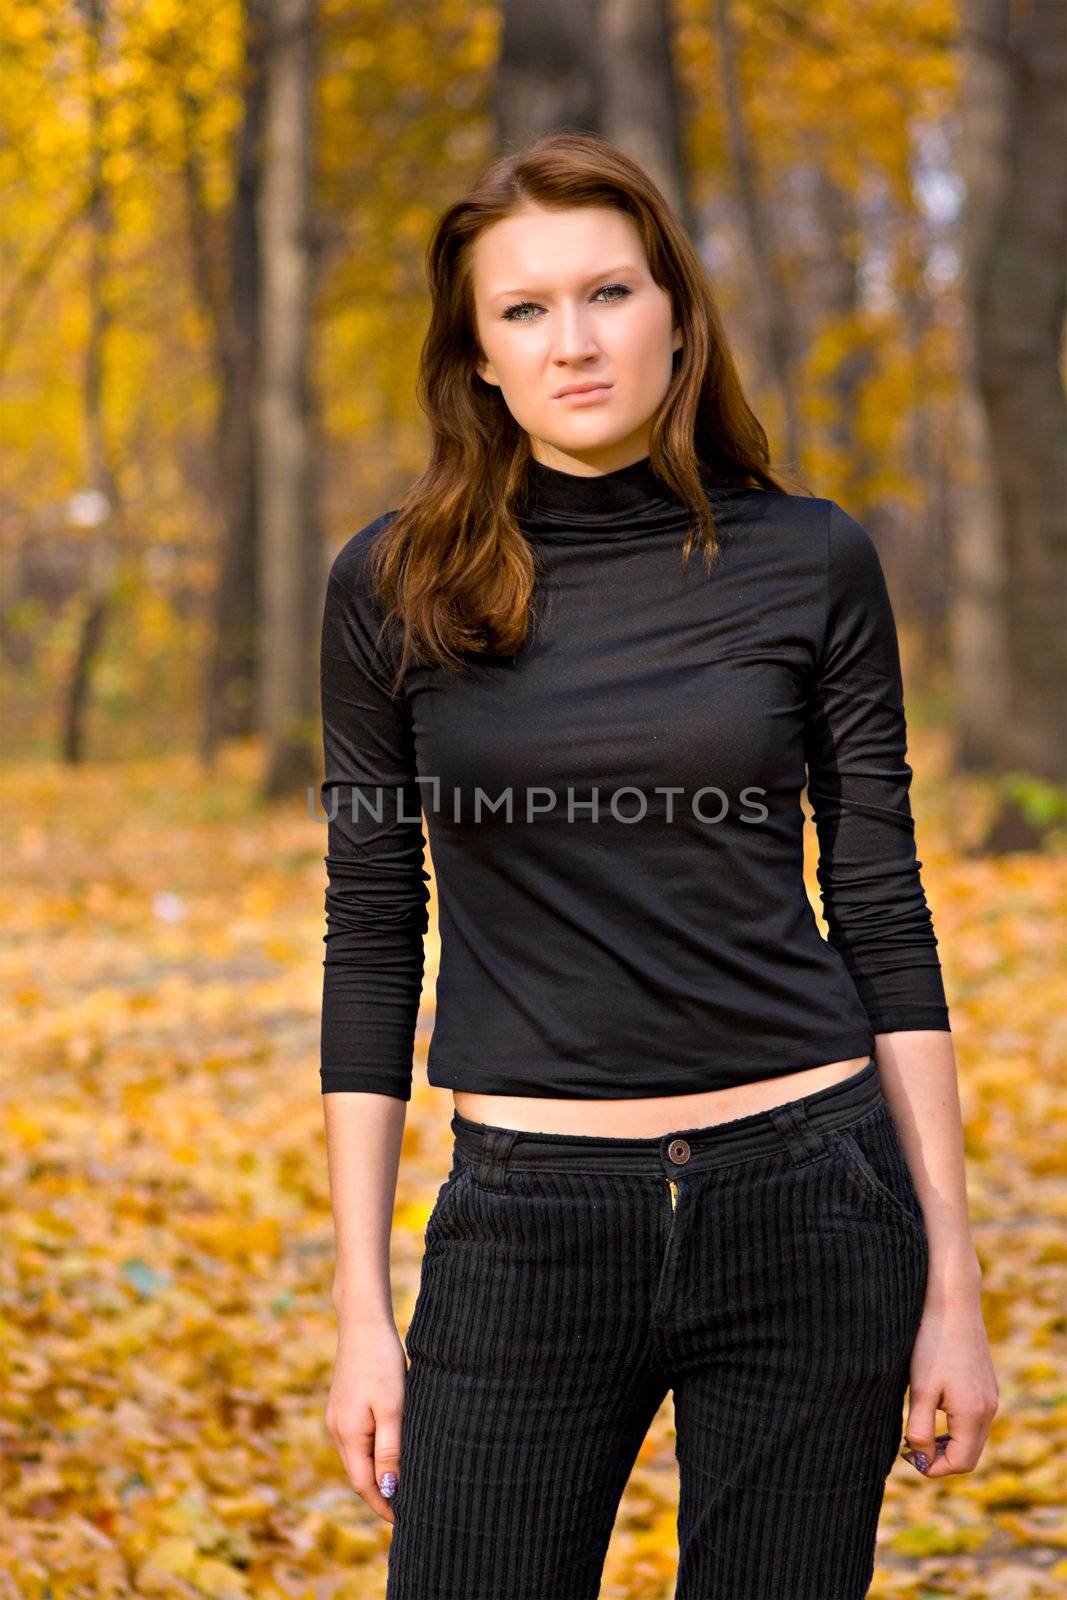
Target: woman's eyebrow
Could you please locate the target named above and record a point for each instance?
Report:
(604, 272)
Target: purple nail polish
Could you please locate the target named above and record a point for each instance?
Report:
(387, 1484)
(922, 1461)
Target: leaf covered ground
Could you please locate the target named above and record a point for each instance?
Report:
(167, 1243)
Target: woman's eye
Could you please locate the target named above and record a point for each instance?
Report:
(512, 312)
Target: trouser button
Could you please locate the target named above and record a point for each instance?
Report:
(678, 1150)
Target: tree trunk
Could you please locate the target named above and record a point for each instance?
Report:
(104, 509)
(231, 670)
(1020, 304)
(291, 565)
(641, 109)
(979, 640)
(780, 333)
(595, 66)
(832, 295)
(549, 72)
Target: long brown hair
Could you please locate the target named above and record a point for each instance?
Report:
(452, 566)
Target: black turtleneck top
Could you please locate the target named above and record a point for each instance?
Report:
(614, 814)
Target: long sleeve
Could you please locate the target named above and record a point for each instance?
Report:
(858, 786)
(376, 895)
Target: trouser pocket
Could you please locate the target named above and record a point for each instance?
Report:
(871, 1153)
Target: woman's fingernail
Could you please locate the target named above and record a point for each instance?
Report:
(387, 1484)
(922, 1461)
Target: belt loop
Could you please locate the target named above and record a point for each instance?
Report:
(493, 1163)
(801, 1137)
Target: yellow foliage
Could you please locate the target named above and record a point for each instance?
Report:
(167, 1331)
(169, 1335)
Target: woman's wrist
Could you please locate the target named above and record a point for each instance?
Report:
(360, 1305)
(953, 1269)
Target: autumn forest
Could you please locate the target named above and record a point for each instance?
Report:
(211, 312)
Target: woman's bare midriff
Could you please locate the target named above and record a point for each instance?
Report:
(649, 1117)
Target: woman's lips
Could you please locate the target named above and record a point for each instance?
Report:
(585, 397)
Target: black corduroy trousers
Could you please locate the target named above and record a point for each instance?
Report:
(771, 1271)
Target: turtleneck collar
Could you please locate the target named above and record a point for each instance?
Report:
(629, 503)
(626, 489)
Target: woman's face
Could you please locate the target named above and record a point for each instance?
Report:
(565, 298)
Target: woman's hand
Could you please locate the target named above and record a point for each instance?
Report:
(365, 1407)
(951, 1371)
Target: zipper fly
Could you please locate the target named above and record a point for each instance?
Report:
(669, 1249)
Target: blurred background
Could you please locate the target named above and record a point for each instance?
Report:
(211, 312)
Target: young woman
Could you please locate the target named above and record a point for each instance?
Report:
(697, 1147)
